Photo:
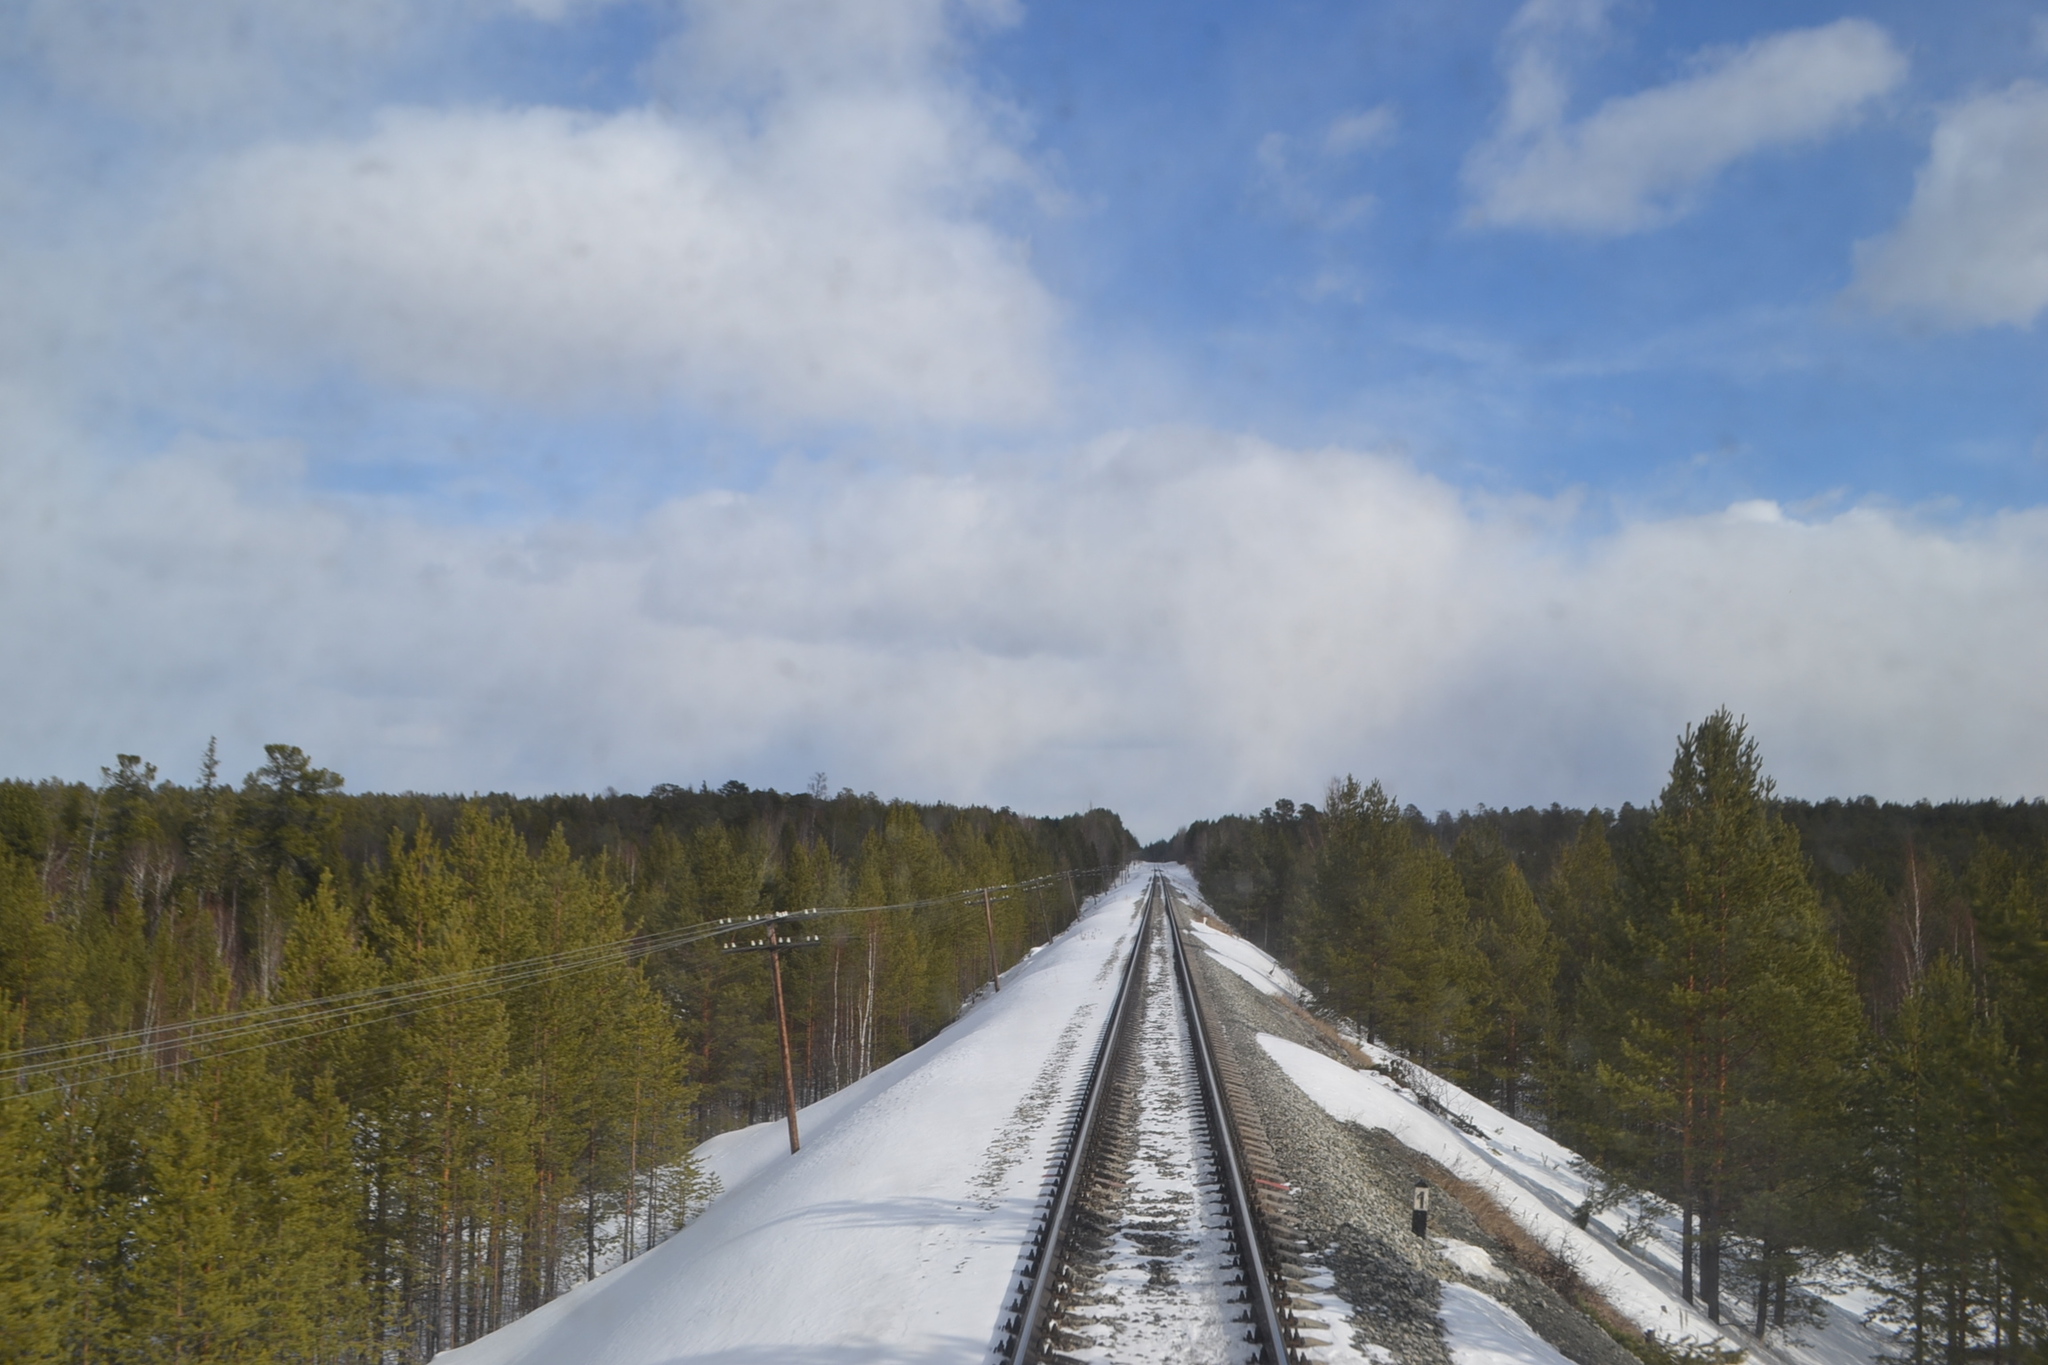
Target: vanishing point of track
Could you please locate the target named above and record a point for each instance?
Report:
(1165, 1231)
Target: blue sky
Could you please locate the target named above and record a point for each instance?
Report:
(1041, 403)
(1613, 361)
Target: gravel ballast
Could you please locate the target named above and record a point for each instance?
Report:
(1352, 1200)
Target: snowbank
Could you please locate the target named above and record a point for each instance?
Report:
(1481, 1330)
(895, 1234)
(1242, 959)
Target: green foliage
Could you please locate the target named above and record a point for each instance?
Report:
(1517, 970)
(1936, 1102)
(32, 1282)
(1734, 1047)
(1815, 1026)
(292, 827)
(25, 826)
(384, 1185)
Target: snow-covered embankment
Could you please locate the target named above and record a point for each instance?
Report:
(1540, 1184)
(894, 1235)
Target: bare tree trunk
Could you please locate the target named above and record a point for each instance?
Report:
(832, 1043)
(867, 1009)
(590, 1212)
(1763, 1290)
(632, 1172)
(1710, 1256)
(1685, 1245)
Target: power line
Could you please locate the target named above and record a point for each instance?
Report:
(397, 1000)
(635, 946)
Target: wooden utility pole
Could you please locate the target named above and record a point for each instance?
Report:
(782, 1026)
(775, 948)
(988, 910)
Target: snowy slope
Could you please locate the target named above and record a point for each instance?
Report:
(1539, 1182)
(1243, 960)
(895, 1234)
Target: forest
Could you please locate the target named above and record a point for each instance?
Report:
(299, 1074)
(1815, 1032)
(303, 1075)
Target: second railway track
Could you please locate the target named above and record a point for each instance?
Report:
(1165, 1233)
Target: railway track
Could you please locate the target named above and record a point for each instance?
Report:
(1165, 1232)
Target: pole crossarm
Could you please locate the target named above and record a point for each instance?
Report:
(762, 945)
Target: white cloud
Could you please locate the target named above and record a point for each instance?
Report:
(1363, 131)
(1972, 249)
(1306, 196)
(195, 58)
(1174, 623)
(1309, 194)
(796, 230)
(822, 268)
(778, 46)
(1642, 160)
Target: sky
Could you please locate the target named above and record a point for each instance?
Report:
(1046, 404)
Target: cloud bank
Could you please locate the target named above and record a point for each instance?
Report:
(1643, 160)
(813, 271)
(793, 229)
(1170, 622)
(1972, 249)
(794, 223)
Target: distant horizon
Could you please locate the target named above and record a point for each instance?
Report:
(1476, 810)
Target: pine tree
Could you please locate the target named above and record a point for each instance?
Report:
(1519, 965)
(293, 825)
(1933, 1093)
(1582, 897)
(1348, 942)
(31, 1274)
(186, 1293)
(458, 1111)
(1740, 1034)
(1583, 900)
(2011, 901)
(1436, 974)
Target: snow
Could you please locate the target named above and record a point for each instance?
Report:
(1336, 1312)
(1470, 1259)
(1236, 955)
(895, 1234)
(1527, 1174)
(1540, 1183)
(1481, 1330)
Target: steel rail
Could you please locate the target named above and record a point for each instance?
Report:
(1255, 1259)
(1028, 1317)
(1027, 1320)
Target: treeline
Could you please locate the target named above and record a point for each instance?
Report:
(1808, 1028)
(375, 1169)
